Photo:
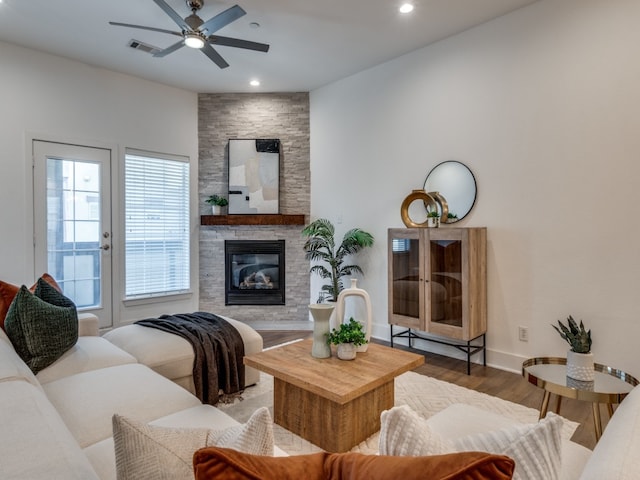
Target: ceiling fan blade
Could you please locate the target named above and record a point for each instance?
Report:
(153, 29)
(171, 49)
(222, 19)
(238, 43)
(214, 56)
(173, 14)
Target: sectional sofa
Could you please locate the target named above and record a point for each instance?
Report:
(58, 424)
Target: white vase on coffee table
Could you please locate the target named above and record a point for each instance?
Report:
(321, 312)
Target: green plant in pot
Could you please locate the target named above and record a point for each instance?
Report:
(433, 218)
(580, 364)
(217, 202)
(320, 246)
(347, 337)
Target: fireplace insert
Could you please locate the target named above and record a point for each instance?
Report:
(254, 272)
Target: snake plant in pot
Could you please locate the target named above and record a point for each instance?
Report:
(580, 364)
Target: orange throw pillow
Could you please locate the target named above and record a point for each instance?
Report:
(8, 292)
(226, 464)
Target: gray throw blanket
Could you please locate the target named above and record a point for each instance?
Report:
(218, 349)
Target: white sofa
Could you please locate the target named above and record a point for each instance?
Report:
(172, 356)
(57, 424)
(615, 456)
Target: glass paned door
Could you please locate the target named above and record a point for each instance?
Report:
(72, 223)
(446, 282)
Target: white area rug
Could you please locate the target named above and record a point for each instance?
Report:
(425, 395)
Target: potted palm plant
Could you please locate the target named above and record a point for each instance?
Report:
(217, 202)
(321, 247)
(580, 364)
(347, 337)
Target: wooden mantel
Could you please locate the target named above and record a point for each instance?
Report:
(252, 219)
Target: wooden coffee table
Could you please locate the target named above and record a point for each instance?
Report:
(335, 404)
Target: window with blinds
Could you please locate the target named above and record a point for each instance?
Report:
(156, 225)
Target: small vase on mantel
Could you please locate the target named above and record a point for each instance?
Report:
(321, 312)
(356, 292)
(216, 210)
(580, 366)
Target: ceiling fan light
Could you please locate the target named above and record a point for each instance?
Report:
(193, 40)
(406, 8)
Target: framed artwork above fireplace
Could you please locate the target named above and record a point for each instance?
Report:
(254, 176)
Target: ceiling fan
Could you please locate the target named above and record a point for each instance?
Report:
(197, 33)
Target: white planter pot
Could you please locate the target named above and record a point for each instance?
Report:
(580, 366)
(346, 351)
(433, 222)
(216, 209)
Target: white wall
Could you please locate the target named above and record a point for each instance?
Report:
(56, 99)
(544, 106)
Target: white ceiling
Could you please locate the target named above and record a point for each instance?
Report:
(313, 42)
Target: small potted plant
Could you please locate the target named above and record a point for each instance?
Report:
(579, 359)
(433, 218)
(347, 337)
(452, 217)
(217, 202)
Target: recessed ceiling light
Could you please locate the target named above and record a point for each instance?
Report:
(252, 24)
(406, 8)
(254, 83)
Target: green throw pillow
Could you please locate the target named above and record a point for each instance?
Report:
(41, 326)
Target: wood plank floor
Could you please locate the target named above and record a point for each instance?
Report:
(505, 385)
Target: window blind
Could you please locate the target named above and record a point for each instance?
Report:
(157, 253)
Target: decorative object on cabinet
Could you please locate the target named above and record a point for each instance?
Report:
(321, 246)
(356, 293)
(216, 202)
(437, 285)
(254, 176)
(427, 200)
(433, 219)
(321, 312)
(455, 182)
(580, 364)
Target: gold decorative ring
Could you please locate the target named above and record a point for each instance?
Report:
(413, 196)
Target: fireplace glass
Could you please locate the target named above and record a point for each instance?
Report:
(254, 272)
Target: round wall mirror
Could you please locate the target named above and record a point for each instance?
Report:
(454, 181)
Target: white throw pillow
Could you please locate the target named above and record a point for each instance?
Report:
(536, 448)
(153, 452)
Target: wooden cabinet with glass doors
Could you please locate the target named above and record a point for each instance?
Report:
(437, 286)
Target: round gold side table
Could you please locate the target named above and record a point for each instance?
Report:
(550, 373)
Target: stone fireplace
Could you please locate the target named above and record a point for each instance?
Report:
(254, 272)
(236, 115)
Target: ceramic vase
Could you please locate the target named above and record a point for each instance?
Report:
(356, 292)
(346, 351)
(321, 312)
(216, 209)
(580, 366)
